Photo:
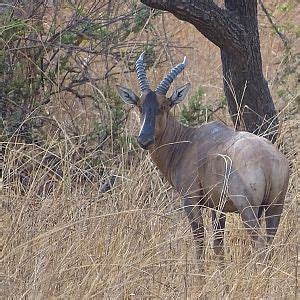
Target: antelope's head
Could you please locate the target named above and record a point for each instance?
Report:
(154, 106)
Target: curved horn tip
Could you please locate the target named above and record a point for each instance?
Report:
(142, 55)
(184, 62)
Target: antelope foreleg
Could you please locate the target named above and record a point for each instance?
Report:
(194, 215)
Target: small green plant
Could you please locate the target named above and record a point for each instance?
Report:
(280, 93)
(195, 112)
(285, 6)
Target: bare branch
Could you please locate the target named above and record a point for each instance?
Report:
(275, 27)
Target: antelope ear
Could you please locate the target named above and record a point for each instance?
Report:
(127, 95)
(179, 94)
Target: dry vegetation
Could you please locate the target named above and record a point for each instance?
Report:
(62, 238)
(133, 241)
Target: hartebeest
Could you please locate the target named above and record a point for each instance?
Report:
(212, 165)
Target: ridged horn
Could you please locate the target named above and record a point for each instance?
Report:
(164, 85)
(141, 74)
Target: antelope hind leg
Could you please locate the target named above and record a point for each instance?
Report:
(218, 223)
(250, 218)
(272, 215)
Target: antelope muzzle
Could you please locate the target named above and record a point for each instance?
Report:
(145, 141)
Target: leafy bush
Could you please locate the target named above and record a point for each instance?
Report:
(58, 66)
(62, 56)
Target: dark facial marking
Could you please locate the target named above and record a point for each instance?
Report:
(150, 109)
(150, 104)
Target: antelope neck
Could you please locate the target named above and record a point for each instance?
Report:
(167, 150)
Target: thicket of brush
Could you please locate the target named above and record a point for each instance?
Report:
(65, 134)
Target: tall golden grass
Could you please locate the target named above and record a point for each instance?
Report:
(131, 242)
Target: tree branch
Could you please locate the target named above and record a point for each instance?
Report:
(275, 27)
(220, 26)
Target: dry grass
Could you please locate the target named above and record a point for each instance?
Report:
(132, 242)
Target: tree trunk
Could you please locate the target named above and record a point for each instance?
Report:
(235, 31)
